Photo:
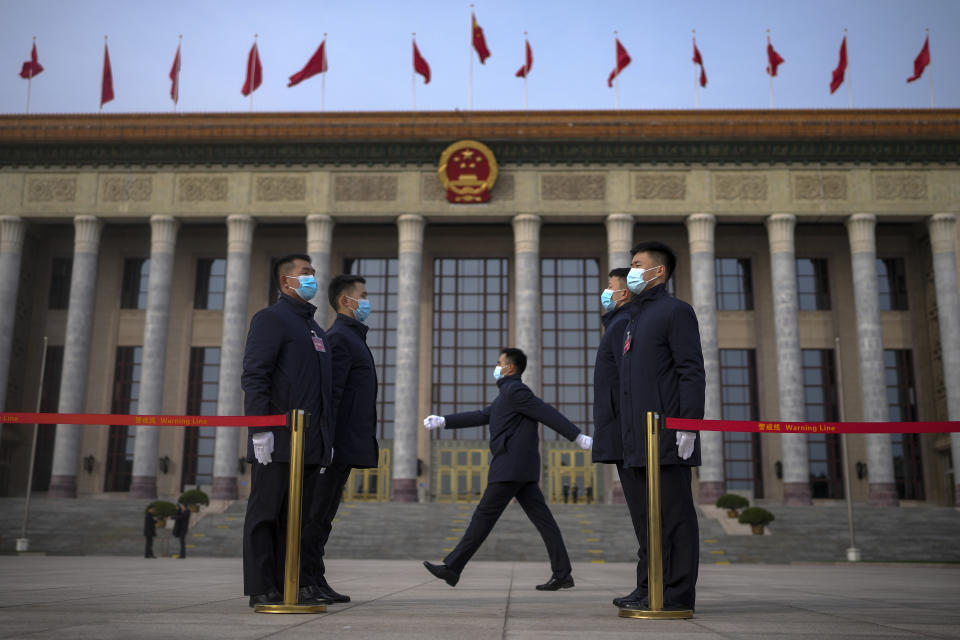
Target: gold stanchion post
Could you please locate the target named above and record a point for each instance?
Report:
(654, 533)
(297, 423)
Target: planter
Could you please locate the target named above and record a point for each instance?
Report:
(757, 529)
(161, 523)
(733, 513)
(194, 508)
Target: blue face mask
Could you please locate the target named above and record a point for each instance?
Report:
(362, 312)
(496, 373)
(307, 288)
(606, 299)
(635, 281)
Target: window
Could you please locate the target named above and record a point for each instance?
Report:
(813, 288)
(126, 392)
(60, 272)
(892, 286)
(211, 283)
(198, 442)
(741, 451)
(902, 407)
(820, 404)
(381, 277)
(571, 335)
(136, 275)
(49, 403)
(470, 323)
(734, 284)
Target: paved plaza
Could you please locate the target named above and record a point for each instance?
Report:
(122, 597)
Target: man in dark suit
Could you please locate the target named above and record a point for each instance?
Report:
(661, 370)
(286, 366)
(354, 414)
(514, 469)
(181, 524)
(149, 531)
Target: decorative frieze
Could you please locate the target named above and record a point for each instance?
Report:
(572, 186)
(664, 186)
(126, 188)
(364, 188)
(816, 186)
(908, 185)
(281, 188)
(739, 186)
(202, 189)
(51, 189)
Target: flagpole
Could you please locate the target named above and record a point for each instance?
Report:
(251, 65)
(849, 88)
(30, 75)
(413, 80)
(470, 55)
(526, 71)
(930, 71)
(696, 79)
(179, 42)
(323, 76)
(768, 72)
(101, 72)
(616, 78)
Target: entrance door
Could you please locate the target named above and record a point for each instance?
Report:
(461, 474)
(370, 485)
(573, 477)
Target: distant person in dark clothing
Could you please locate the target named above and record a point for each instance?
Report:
(149, 531)
(181, 523)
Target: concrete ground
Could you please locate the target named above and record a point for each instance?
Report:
(123, 597)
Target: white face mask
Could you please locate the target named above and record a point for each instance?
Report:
(635, 280)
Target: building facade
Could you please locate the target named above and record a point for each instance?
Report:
(819, 250)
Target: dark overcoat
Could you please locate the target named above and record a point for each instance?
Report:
(354, 393)
(149, 525)
(181, 523)
(607, 445)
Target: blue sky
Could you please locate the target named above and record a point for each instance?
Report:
(369, 53)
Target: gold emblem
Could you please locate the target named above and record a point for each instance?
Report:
(468, 171)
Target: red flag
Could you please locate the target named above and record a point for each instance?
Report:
(698, 59)
(921, 61)
(479, 43)
(837, 79)
(623, 59)
(175, 78)
(316, 64)
(106, 84)
(420, 65)
(254, 71)
(525, 69)
(773, 59)
(31, 67)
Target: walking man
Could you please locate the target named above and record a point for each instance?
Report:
(181, 524)
(514, 469)
(286, 366)
(661, 370)
(149, 532)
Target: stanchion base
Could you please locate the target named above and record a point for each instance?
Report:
(646, 614)
(290, 608)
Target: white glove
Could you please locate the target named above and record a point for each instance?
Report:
(685, 442)
(585, 441)
(263, 446)
(434, 422)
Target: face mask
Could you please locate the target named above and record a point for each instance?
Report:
(496, 373)
(635, 281)
(606, 299)
(307, 288)
(363, 309)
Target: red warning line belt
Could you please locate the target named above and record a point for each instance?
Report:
(685, 424)
(135, 420)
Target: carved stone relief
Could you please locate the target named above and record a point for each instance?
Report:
(126, 188)
(660, 186)
(202, 189)
(572, 186)
(807, 186)
(50, 189)
(363, 188)
(900, 186)
(739, 186)
(281, 188)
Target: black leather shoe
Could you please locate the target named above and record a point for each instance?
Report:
(325, 590)
(443, 572)
(266, 598)
(555, 584)
(310, 595)
(636, 594)
(636, 604)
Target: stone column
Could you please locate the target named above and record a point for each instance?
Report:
(407, 392)
(239, 246)
(76, 352)
(703, 280)
(319, 237)
(619, 242)
(786, 308)
(527, 292)
(863, 248)
(942, 228)
(163, 239)
(12, 231)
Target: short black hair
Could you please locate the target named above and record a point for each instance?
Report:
(620, 272)
(280, 265)
(661, 254)
(516, 357)
(340, 284)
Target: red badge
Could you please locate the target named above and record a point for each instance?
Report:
(318, 344)
(626, 345)
(468, 171)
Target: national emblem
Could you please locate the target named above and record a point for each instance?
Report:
(468, 171)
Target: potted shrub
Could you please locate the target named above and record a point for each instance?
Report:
(732, 502)
(161, 511)
(757, 518)
(193, 499)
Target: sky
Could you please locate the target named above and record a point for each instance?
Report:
(370, 59)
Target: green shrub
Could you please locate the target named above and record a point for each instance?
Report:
(756, 515)
(732, 501)
(163, 509)
(194, 496)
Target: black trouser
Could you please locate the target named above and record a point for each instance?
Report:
(495, 499)
(265, 525)
(680, 537)
(148, 549)
(183, 546)
(323, 509)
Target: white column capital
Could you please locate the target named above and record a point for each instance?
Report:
(619, 232)
(862, 230)
(780, 228)
(240, 233)
(942, 227)
(87, 231)
(410, 227)
(700, 229)
(319, 233)
(163, 233)
(526, 233)
(12, 230)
